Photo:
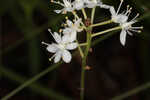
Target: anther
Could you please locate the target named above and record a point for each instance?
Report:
(130, 9)
(49, 30)
(60, 30)
(50, 59)
(137, 14)
(66, 17)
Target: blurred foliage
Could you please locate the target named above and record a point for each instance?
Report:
(115, 69)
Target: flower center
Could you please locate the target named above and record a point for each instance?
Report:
(126, 25)
(62, 46)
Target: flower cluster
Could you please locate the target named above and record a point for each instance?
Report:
(67, 38)
(64, 42)
(78, 5)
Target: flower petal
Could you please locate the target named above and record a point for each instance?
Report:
(66, 56)
(71, 46)
(77, 22)
(67, 30)
(65, 39)
(57, 37)
(69, 23)
(123, 37)
(73, 36)
(52, 48)
(78, 4)
(57, 57)
(104, 6)
(69, 37)
(112, 11)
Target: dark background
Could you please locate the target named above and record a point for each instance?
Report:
(114, 69)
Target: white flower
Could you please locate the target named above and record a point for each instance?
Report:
(76, 25)
(72, 29)
(60, 48)
(67, 6)
(127, 29)
(71, 34)
(122, 20)
(120, 17)
(92, 3)
(78, 4)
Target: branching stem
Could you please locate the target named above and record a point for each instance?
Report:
(102, 23)
(106, 31)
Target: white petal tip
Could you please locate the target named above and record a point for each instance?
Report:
(123, 44)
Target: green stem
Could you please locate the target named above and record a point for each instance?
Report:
(82, 44)
(132, 92)
(102, 23)
(80, 50)
(92, 15)
(84, 64)
(84, 13)
(30, 81)
(106, 31)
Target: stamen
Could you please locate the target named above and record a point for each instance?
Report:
(135, 17)
(49, 30)
(119, 6)
(67, 3)
(129, 33)
(51, 33)
(57, 2)
(45, 43)
(60, 31)
(137, 27)
(128, 11)
(128, 8)
(50, 59)
(134, 30)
